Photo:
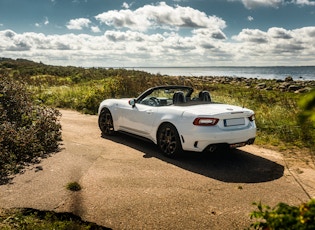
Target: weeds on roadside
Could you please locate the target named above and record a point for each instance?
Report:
(73, 186)
(284, 216)
(32, 219)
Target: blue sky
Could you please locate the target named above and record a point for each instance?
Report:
(108, 33)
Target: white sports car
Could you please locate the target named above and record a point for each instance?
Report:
(175, 120)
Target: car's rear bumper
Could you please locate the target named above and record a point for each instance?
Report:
(201, 140)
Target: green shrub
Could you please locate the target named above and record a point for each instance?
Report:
(32, 219)
(27, 131)
(284, 216)
(74, 186)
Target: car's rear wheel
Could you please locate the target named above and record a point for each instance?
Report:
(168, 140)
(105, 122)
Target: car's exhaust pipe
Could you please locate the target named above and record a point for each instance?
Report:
(212, 148)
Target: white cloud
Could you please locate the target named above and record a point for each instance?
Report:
(304, 2)
(279, 33)
(135, 48)
(252, 4)
(185, 37)
(160, 16)
(250, 18)
(125, 5)
(78, 24)
(95, 29)
(277, 45)
(254, 36)
(46, 22)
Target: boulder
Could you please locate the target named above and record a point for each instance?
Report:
(261, 85)
(288, 79)
(293, 88)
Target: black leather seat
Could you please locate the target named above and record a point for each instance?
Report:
(179, 97)
(204, 96)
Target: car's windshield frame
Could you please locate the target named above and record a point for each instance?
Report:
(148, 92)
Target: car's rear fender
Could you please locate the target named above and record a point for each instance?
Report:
(166, 118)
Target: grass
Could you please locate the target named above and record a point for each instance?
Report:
(277, 116)
(73, 186)
(32, 219)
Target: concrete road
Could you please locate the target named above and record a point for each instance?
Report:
(127, 184)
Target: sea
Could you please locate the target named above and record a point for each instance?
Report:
(274, 72)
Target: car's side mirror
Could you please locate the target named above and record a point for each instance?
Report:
(132, 102)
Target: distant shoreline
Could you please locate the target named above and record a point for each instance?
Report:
(273, 72)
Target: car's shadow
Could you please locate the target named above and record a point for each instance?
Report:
(235, 167)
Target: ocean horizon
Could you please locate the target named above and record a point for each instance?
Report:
(267, 72)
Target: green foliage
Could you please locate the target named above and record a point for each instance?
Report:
(277, 115)
(32, 219)
(73, 186)
(27, 131)
(284, 216)
(307, 104)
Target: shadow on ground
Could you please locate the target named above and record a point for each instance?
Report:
(234, 166)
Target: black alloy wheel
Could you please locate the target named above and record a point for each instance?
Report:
(105, 122)
(168, 140)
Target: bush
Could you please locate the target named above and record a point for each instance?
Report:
(27, 131)
(30, 219)
(74, 186)
(284, 216)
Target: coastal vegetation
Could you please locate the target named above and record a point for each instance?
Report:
(281, 116)
(33, 219)
(27, 131)
(30, 94)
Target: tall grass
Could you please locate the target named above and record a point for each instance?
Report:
(277, 116)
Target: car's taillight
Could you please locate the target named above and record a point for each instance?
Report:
(205, 121)
(252, 117)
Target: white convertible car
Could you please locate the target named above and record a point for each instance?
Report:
(175, 120)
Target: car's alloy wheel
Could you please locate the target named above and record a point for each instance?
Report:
(168, 140)
(105, 122)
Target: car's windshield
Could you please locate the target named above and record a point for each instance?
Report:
(159, 97)
(169, 96)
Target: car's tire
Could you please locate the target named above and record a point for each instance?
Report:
(105, 123)
(168, 140)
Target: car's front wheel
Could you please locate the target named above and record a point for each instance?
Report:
(168, 140)
(105, 122)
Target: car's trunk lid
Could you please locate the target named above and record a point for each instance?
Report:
(218, 110)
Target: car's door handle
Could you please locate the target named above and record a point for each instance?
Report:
(149, 111)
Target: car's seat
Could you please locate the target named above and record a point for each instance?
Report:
(204, 96)
(179, 97)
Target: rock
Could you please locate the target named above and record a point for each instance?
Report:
(303, 90)
(293, 88)
(284, 86)
(288, 79)
(261, 85)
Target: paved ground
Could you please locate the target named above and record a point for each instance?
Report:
(127, 184)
